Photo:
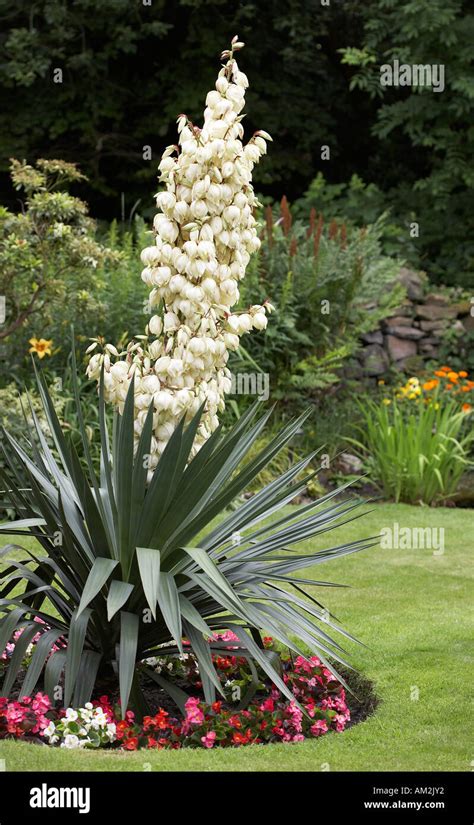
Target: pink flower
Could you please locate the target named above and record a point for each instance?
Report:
(41, 703)
(319, 727)
(209, 739)
(227, 636)
(296, 716)
(302, 664)
(268, 704)
(340, 721)
(194, 714)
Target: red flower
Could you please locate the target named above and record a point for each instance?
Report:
(131, 744)
(122, 728)
(242, 739)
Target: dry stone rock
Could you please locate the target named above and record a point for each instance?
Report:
(413, 283)
(433, 312)
(397, 321)
(436, 298)
(468, 323)
(348, 464)
(406, 332)
(431, 326)
(399, 348)
(372, 337)
(375, 359)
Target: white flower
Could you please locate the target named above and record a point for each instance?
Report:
(49, 729)
(260, 320)
(70, 741)
(155, 325)
(71, 715)
(205, 233)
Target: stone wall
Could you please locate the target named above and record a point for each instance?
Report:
(412, 335)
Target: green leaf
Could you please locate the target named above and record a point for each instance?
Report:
(17, 657)
(129, 625)
(8, 626)
(193, 616)
(85, 681)
(76, 638)
(52, 672)
(42, 650)
(168, 600)
(100, 572)
(118, 595)
(203, 654)
(22, 524)
(123, 476)
(149, 566)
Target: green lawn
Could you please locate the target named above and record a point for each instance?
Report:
(412, 608)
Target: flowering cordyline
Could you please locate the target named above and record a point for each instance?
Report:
(205, 233)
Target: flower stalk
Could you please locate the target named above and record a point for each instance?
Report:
(205, 232)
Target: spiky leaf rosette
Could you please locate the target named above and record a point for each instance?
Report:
(128, 569)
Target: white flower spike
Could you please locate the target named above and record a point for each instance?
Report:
(205, 233)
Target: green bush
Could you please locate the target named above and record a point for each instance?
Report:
(414, 453)
(321, 276)
(51, 265)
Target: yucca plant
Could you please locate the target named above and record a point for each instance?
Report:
(139, 566)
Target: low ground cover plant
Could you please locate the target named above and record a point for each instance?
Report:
(267, 716)
(416, 439)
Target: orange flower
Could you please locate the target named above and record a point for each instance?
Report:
(466, 408)
(440, 374)
(41, 346)
(453, 376)
(463, 374)
(430, 385)
(449, 386)
(465, 389)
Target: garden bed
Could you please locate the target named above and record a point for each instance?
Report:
(251, 709)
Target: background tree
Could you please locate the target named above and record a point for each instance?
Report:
(435, 179)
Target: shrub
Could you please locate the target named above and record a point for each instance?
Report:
(49, 257)
(415, 444)
(320, 276)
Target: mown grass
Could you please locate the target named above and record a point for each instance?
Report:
(412, 609)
